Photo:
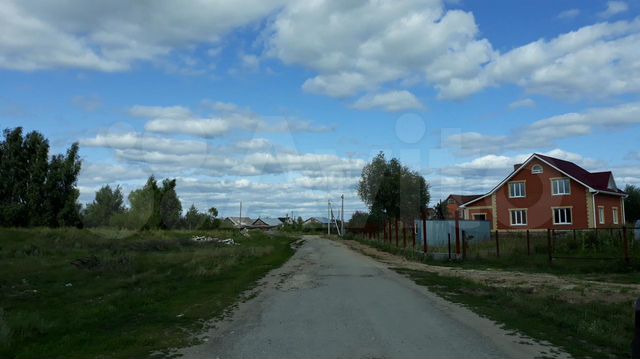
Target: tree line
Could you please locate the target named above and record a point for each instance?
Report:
(39, 190)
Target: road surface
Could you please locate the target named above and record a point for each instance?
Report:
(328, 301)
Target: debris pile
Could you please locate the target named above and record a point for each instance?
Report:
(227, 242)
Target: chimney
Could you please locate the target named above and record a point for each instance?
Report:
(516, 166)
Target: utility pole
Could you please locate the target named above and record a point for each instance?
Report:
(342, 216)
(329, 217)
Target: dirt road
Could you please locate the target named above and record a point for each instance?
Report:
(329, 301)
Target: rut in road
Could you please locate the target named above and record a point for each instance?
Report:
(331, 302)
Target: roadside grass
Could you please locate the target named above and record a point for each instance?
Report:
(121, 294)
(584, 330)
(611, 270)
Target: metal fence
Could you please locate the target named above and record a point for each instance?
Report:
(473, 239)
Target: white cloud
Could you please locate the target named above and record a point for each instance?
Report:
(359, 46)
(523, 103)
(389, 101)
(614, 8)
(132, 140)
(545, 132)
(254, 144)
(112, 35)
(569, 14)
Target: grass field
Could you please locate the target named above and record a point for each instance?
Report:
(120, 294)
(583, 329)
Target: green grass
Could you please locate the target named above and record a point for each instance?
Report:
(595, 330)
(136, 292)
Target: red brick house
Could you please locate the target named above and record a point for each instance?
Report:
(454, 201)
(546, 192)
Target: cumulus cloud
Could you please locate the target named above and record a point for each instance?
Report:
(614, 8)
(545, 132)
(389, 101)
(112, 35)
(136, 141)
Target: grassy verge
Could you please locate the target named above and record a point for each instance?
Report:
(610, 270)
(79, 293)
(593, 329)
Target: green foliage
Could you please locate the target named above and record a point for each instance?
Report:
(108, 203)
(632, 204)
(441, 211)
(392, 190)
(36, 191)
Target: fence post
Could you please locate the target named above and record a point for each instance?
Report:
(384, 239)
(574, 234)
(528, 244)
(396, 232)
(549, 244)
(413, 234)
(449, 243)
(424, 232)
(625, 242)
(457, 228)
(497, 244)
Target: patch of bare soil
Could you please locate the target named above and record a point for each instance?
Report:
(571, 290)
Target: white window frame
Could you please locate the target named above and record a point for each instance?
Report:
(522, 189)
(536, 169)
(555, 190)
(615, 212)
(521, 220)
(451, 201)
(565, 222)
(601, 218)
(473, 215)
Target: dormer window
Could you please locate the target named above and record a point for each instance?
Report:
(536, 169)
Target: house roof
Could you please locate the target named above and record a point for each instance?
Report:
(323, 220)
(245, 220)
(597, 181)
(271, 222)
(463, 198)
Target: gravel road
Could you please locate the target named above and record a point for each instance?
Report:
(328, 301)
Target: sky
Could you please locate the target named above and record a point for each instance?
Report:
(279, 104)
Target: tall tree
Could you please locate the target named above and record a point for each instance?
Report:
(145, 205)
(107, 203)
(192, 217)
(441, 211)
(61, 191)
(170, 206)
(632, 203)
(392, 190)
(36, 149)
(213, 212)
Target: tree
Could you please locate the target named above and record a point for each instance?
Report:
(36, 190)
(632, 204)
(192, 217)
(213, 212)
(392, 190)
(358, 219)
(170, 206)
(107, 203)
(442, 212)
(145, 206)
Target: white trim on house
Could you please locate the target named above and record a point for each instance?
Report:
(615, 213)
(565, 208)
(566, 186)
(536, 169)
(521, 220)
(519, 189)
(601, 219)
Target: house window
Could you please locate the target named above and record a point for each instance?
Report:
(562, 215)
(518, 217)
(479, 217)
(601, 214)
(560, 186)
(615, 215)
(450, 201)
(536, 169)
(517, 190)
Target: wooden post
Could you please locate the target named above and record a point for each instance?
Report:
(384, 239)
(404, 235)
(464, 245)
(413, 234)
(457, 229)
(528, 244)
(625, 243)
(549, 244)
(497, 244)
(396, 232)
(424, 232)
(574, 234)
(449, 244)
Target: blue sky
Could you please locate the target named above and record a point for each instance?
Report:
(279, 103)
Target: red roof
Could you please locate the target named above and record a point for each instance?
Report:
(596, 180)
